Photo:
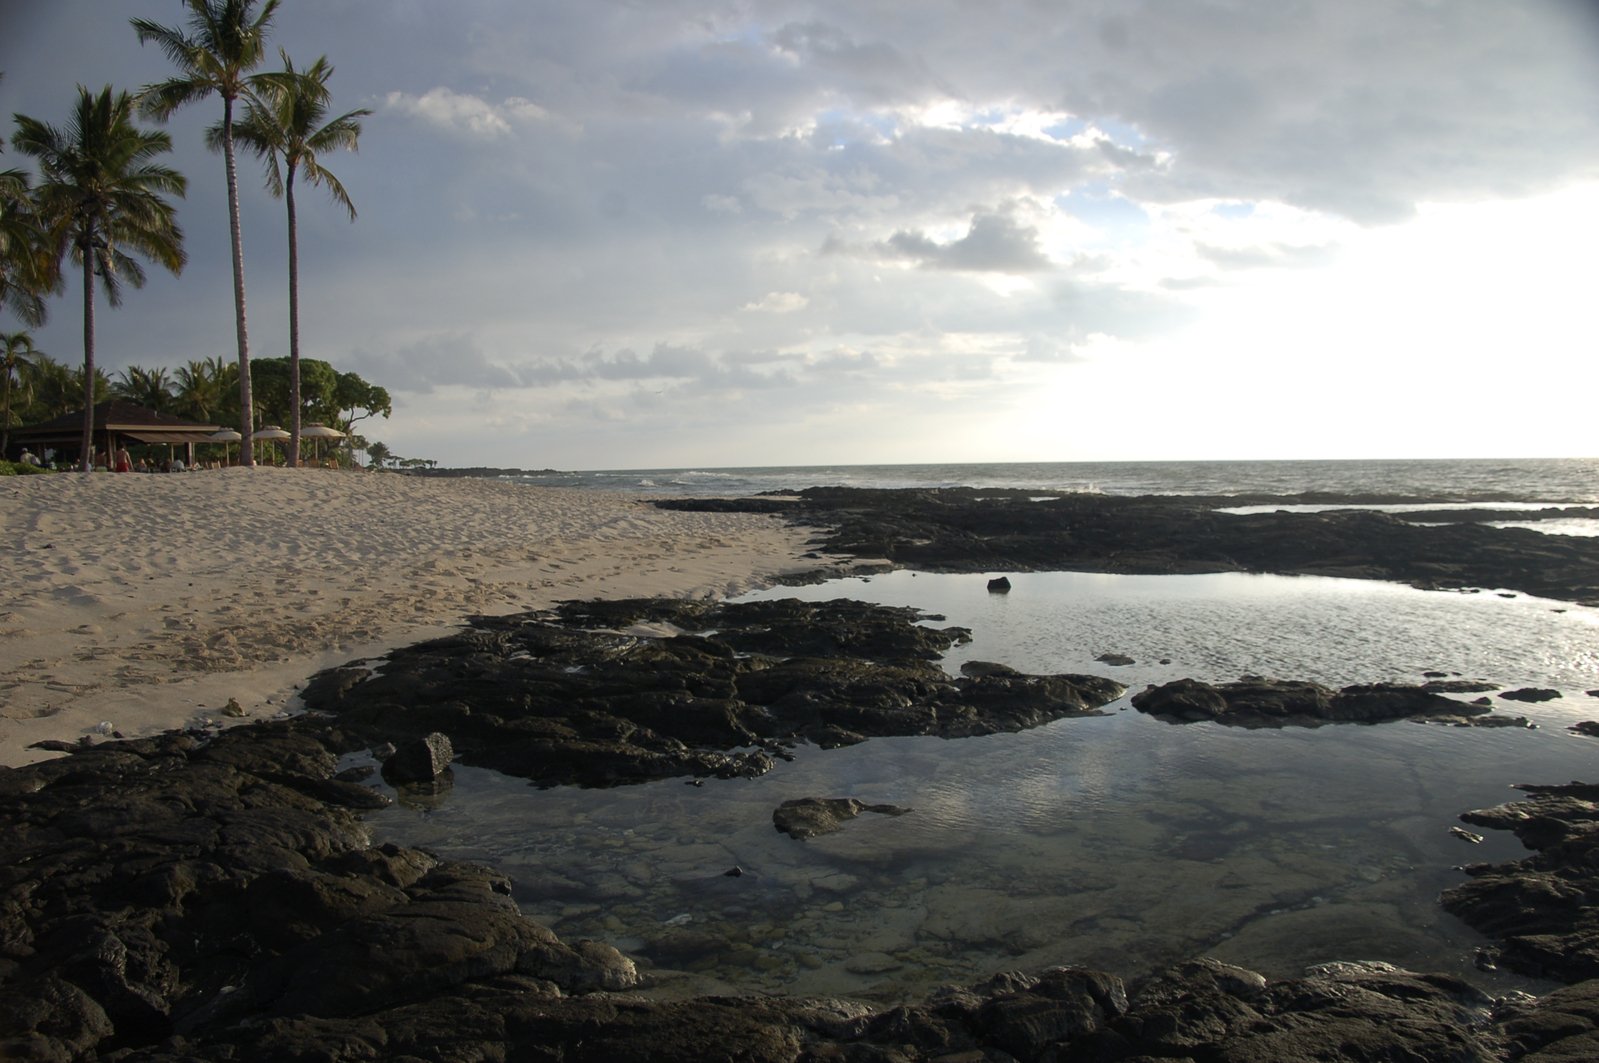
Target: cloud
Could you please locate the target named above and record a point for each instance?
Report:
(779, 303)
(994, 243)
(466, 115)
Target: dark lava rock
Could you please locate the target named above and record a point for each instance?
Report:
(806, 817)
(1531, 694)
(1541, 908)
(1586, 727)
(174, 887)
(179, 899)
(568, 696)
(962, 529)
(1257, 702)
(1115, 660)
(419, 760)
(999, 586)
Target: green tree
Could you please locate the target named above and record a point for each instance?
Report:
(379, 453)
(273, 387)
(286, 123)
(101, 191)
(226, 40)
(357, 400)
(17, 356)
(49, 389)
(27, 271)
(151, 388)
(201, 389)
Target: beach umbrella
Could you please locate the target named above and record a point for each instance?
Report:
(269, 434)
(225, 436)
(319, 432)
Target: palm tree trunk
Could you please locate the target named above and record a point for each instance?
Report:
(86, 464)
(236, 231)
(5, 414)
(294, 325)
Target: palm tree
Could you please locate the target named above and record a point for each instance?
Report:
(150, 388)
(101, 191)
(199, 387)
(25, 273)
(49, 389)
(17, 356)
(224, 42)
(286, 124)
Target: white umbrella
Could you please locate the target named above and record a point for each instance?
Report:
(225, 436)
(269, 434)
(319, 431)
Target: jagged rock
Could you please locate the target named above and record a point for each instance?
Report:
(1540, 908)
(565, 697)
(419, 761)
(1001, 585)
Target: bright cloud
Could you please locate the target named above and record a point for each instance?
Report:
(613, 234)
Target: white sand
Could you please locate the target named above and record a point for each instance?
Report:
(147, 601)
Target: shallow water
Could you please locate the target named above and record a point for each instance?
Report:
(1119, 842)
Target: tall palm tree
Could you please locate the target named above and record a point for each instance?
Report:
(17, 356)
(286, 124)
(100, 196)
(226, 39)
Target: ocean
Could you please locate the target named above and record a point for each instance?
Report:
(1558, 480)
(1119, 842)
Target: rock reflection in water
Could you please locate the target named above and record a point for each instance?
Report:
(1120, 843)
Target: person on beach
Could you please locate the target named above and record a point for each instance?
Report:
(124, 460)
(27, 457)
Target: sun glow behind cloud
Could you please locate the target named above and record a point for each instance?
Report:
(610, 233)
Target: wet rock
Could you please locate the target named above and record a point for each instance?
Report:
(421, 760)
(807, 817)
(566, 697)
(165, 889)
(1539, 908)
(1530, 694)
(1586, 727)
(968, 530)
(1257, 702)
(1115, 660)
(1000, 585)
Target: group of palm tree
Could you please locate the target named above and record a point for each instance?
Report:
(101, 200)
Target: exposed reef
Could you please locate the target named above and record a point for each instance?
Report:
(601, 693)
(217, 897)
(963, 529)
(1257, 702)
(183, 898)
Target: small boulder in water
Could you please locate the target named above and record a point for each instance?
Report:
(422, 760)
(1000, 585)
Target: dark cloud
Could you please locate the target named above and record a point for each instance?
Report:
(994, 243)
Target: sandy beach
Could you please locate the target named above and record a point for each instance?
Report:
(136, 604)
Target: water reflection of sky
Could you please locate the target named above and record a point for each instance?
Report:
(1120, 841)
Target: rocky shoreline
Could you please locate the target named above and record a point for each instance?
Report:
(216, 896)
(964, 529)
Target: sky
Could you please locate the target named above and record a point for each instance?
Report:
(714, 233)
